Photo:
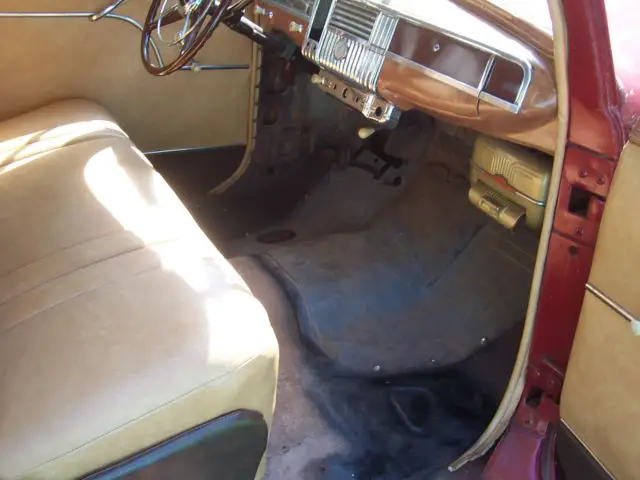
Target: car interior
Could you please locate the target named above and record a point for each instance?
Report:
(281, 239)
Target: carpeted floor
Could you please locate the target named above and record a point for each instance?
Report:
(337, 428)
(427, 283)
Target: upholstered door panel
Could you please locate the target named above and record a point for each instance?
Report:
(43, 60)
(600, 402)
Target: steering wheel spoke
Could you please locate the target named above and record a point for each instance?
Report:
(173, 15)
(194, 25)
(200, 19)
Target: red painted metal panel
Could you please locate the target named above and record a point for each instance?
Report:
(562, 291)
(596, 137)
(596, 121)
(588, 173)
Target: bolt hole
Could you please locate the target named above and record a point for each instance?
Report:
(345, 93)
(397, 181)
(379, 112)
(573, 251)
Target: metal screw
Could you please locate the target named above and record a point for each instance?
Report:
(433, 361)
(484, 340)
(600, 181)
(436, 47)
(579, 231)
(583, 173)
(376, 368)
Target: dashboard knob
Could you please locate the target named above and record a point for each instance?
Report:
(295, 27)
(366, 132)
(317, 79)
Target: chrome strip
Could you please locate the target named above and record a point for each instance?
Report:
(586, 447)
(189, 149)
(487, 71)
(524, 196)
(211, 68)
(123, 18)
(619, 309)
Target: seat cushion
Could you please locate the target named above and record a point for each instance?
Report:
(54, 126)
(121, 325)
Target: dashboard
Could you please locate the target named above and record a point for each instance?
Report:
(387, 56)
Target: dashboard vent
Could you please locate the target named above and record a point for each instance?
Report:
(354, 18)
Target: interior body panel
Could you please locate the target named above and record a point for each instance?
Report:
(599, 402)
(65, 58)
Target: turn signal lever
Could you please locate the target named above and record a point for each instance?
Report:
(106, 10)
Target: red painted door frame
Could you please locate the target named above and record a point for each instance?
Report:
(596, 137)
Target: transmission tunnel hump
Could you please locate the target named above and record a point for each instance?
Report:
(432, 281)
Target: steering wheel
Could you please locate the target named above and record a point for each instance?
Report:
(200, 19)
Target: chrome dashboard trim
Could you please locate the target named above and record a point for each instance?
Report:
(363, 58)
(525, 63)
(363, 62)
(473, 91)
(487, 71)
(369, 104)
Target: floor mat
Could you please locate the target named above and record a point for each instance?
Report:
(347, 199)
(332, 427)
(429, 283)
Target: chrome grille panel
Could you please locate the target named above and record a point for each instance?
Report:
(354, 42)
(361, 64)
(383, 31)
(354, 18)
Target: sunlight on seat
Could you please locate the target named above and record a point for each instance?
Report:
(156, 221)
(33, 143)
(250, 325)
(157, 217)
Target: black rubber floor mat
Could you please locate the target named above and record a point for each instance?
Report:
(431, 282)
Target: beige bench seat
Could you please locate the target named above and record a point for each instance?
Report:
(121, 325)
